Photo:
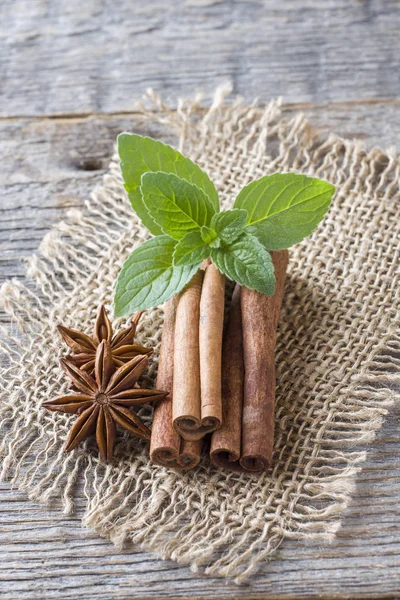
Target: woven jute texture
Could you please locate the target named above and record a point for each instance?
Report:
(336, 363)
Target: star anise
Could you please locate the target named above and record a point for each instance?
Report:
(103, 402)
(84, 347)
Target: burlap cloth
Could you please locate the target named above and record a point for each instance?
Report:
(335, 363)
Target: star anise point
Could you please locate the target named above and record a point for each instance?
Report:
(103, 401)
(83, 347)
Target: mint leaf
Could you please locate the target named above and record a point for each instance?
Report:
(229, 225)
(176, 205)
(139, 155)
(210, 237)
(148, 277)
(191, 250)
(247, 262)
(284, 208)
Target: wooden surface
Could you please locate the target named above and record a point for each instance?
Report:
(69, 56)
(69, 74)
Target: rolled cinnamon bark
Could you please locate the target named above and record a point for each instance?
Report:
(260, 315)
(186, 405)
(211, 327)
(226, 442)
(197, 405)
(244, 442)
(167, 448)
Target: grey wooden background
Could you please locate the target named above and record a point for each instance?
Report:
(70, 71)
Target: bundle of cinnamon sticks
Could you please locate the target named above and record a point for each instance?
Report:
(219, 382)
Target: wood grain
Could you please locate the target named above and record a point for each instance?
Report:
(69, 73)
(44, 554)
(50, 165)
(75, 57)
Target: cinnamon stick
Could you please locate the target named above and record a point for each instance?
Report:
(197, 407)
(226, 442)
(186, 405)
(167, 448)
(245, 441)
(211, 327)
(260, 315)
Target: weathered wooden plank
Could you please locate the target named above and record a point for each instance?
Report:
(83, 57)
(43, 554)
(72, 58)
(50, 165)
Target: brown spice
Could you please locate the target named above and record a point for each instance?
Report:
(245, 441)
(186, 400)
(84, 347)
(104, 401)
(167, 448)
(197, 405)
(260, 315)
(211, 326)
(226, 442)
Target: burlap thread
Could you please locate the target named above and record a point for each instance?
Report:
(336, 351)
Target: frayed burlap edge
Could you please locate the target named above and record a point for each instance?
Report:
(226, 523)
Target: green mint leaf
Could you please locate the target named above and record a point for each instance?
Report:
(248, 263)
(149, 278)
(139, 155)
(229, 225)
(210, 237)
(191, 250)
(284, 208)
(176, 205)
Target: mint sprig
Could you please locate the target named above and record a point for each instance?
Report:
(176, 205)
(179, 204)
(191, 250)
(148, 277)
(140, 155)
(229, 225)
(284, 208)
(247, 262)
